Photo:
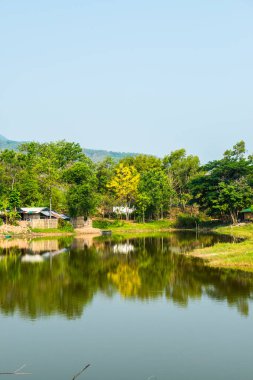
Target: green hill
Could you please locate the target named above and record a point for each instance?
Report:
(8, 144)
(99, 155)
(93, 154)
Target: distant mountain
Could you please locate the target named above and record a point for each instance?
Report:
(93, 154)
(8, 144)
(99, 155)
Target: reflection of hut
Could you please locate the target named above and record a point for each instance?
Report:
(44, 245)
(82, 242)
(36, 246)
(247, 214)
(14, 243)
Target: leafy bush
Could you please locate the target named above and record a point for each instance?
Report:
(65, 225)
(187, 221)
(13, 218)
(1, 221)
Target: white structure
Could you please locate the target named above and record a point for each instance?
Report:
(121, 210)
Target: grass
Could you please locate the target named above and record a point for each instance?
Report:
(130, 226)
(51, 230)
(236, 255)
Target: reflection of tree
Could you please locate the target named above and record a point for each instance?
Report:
(126, 279)
(153, 268)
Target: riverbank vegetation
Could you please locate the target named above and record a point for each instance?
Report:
(235, 255)
(141, 188)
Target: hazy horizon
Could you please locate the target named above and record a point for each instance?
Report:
(133, 76)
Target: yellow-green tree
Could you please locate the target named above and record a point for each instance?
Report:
(124, 184)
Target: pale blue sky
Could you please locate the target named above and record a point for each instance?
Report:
(128, 75)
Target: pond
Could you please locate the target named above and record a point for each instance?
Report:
(136, 308)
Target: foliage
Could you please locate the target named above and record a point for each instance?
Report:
(143, 162)
(65, 225)
(224, 186)
(82, 196)
(60, 174)
(13, 217)
(14, 200)
(181, 169)
(156, 192)
(142, 203)
(105, 171)
(124, 184)
(187, 221)
(94, 154)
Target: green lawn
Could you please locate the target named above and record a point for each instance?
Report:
(130, 226)
(51, 230)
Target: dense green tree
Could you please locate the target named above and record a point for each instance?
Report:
(181, 169)
(156, 192)
(82, 200)
(224, 186)
(14, 200)
(232, 197)
(82, 196)
(105, 171)
(143, 201)
(143, 162)
(60, 174)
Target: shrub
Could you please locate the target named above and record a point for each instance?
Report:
(13, 218)
(65, 225)
(187, 221)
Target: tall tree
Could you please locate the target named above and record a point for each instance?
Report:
(156, 191)
(82, 196)
(224, 186)
(181, 169)
(124, 185)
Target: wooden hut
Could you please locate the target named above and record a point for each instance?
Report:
(247, 214)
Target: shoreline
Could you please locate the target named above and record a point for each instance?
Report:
(235, 255)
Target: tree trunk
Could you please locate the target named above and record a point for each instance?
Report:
(233, 217)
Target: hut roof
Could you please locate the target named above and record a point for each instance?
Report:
(250, 209)
(54, 214)
(32, 210)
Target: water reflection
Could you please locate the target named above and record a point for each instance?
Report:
(46, 277)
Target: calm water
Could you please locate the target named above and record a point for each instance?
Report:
(134, 309)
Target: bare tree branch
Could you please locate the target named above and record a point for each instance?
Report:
(79, 373)
(17, 372)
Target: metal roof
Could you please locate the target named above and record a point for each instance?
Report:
(54, 214)
(247, 210)
(42, 210)
(32, 210)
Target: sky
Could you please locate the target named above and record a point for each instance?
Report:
(128, 75)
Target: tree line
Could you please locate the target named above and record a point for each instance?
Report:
(60, 173)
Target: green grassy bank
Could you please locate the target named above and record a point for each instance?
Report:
(230, 255)
(118, 226)
(235, 255)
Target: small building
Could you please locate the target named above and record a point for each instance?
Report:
(41, 217)
(247, 214)
(35, 213)
(123, 210)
